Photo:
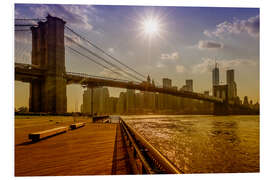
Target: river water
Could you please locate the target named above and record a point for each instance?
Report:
(204, 144)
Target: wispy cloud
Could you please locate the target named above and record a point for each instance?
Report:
(202, 44)
(250, 26)
(207, 64)
(111, 50)
(170, 56)
(180, 68)
(74, 15)
(160, 65)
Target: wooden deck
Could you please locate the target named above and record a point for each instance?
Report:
(96, 149)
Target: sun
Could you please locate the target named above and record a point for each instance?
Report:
(151, 27)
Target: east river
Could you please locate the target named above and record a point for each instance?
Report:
(204, 144)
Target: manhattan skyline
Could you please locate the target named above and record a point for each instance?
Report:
(181, 43)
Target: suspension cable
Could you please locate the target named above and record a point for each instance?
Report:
(87, 57)
(92, 44)
(91, 52)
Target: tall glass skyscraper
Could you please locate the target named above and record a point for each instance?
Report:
(215, 75)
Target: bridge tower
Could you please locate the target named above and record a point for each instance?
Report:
(221, 91)
(48, 52)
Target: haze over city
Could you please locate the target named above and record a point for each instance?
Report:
(163, 42)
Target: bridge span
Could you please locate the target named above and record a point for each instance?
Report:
(27, 73)
(48, 77)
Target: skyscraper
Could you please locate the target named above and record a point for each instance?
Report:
(245, 100)
(230, 76)
(206, 93)
(100, 99)
(167, 83)
(121, 103)
(189, 85)
(215, 75)
(86, 106)
(148, 79)
(232, 89)
(130, 100)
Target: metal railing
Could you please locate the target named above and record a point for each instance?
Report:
(150, 160)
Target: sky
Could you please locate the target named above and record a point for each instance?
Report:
(165, 42)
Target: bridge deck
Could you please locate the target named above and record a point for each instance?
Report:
(90, 150)
(26, 74)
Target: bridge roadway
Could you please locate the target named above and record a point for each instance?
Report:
(27, 73)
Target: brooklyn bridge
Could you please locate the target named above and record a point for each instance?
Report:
(48, 77)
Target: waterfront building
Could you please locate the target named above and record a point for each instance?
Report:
(130, 100)
(257, 105)
(103, 98)
(159, 101)
(111, 105)
(232, 89)
(100, 100)
(167, 83)
(189, 85)
(184, 88)
(153, 82)
(245, 100)
(206, 93)
(86, 106)
(139, 102)
(148, 79)
(149, 100)
(175, 88)
(121, 103)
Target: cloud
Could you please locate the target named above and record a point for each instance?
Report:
(180, 69)
(73, 15)
(160, 65)
(207, 64)
(172, 56)
(111, 50)
(209, 45)
(130, 53)
(250, 26)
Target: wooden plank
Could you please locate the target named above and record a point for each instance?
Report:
(77, 125)
(47, 133)
(88, 151)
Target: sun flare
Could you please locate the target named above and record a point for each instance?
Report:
(151, 27)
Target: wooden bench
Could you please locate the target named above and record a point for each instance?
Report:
(77, 125)
(47, 133)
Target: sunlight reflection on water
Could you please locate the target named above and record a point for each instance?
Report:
(204, 144)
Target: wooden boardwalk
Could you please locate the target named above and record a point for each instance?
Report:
(96, 149)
